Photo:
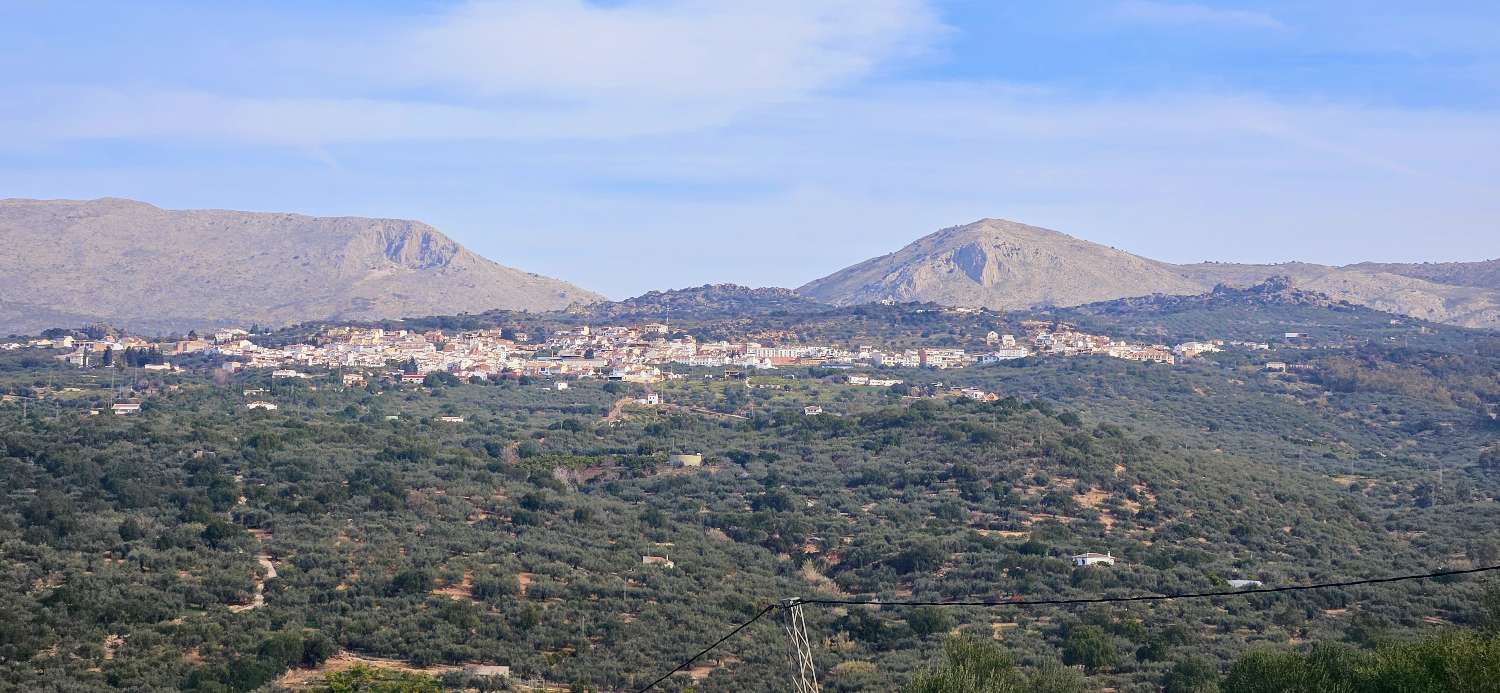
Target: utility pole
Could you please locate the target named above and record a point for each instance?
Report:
(805, 678)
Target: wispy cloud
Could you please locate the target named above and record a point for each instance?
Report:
(692, 50)
(507, 70)
(1193, 14)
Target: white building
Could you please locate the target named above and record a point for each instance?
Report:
(1091, 558)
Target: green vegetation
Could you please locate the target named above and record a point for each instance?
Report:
(135, 548)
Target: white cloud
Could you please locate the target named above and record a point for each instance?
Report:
(508, 70)
(1192, 14)
(691, 50)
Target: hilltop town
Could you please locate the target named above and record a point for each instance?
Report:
(631, 353)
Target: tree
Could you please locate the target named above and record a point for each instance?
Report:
(928, 620)
(130, 530)
(1089, 646)
(1192, 675)
(971, 665)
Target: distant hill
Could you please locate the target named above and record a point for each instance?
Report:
(1265, 312)
(704, 302)
(156, 270)
(1002, 265)
(1006, 265)
(1485, 275)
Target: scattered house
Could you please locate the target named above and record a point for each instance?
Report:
(1276, 367)
(663, 561)
(251, 392)
(651, 399)
(1195, 349)
(1009, 353)
(353, 379)
(812, 410)
(859, 380)
(451, 419)
(261, 404)
(941, 358)
(686, 460)
(1242, 584)
(977, 394)
(559, 385)
(287, 373)
(1091, 558)
(126, 407)
(157, 367)
(496, 671)
(413, 377)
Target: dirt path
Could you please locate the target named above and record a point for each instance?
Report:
(617, 411)
(259, 600)
(701, 410)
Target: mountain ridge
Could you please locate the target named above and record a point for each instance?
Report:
(1007, 265)
(132, 263)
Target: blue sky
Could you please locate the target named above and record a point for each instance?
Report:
(631, 145)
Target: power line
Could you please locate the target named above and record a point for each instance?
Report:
(710, 648)
(1057, 602)
(1158, 597)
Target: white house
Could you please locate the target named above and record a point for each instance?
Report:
(1242, 584)
(1091, 558)
(559, 385)
(812, 410)
(663, 561)
(451, 419)
(126, 407)
(261, 404)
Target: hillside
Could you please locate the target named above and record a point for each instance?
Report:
(1002, 265)
(499, 521)
(1007, 265)
(151, 269)
(1484, 274)
(708, 301)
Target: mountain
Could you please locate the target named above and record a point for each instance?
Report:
(1002, 265)
(1006, 265)
(1484, 274)
(705, 302)
(1374, 286)
(151, 269)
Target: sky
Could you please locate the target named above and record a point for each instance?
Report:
(631, 145)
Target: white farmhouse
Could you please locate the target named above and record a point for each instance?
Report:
(1091, 558)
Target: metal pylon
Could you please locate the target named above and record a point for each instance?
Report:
(805, 676)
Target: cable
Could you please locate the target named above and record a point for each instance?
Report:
(1055, 602)
(710, 648)
(1156, 597)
